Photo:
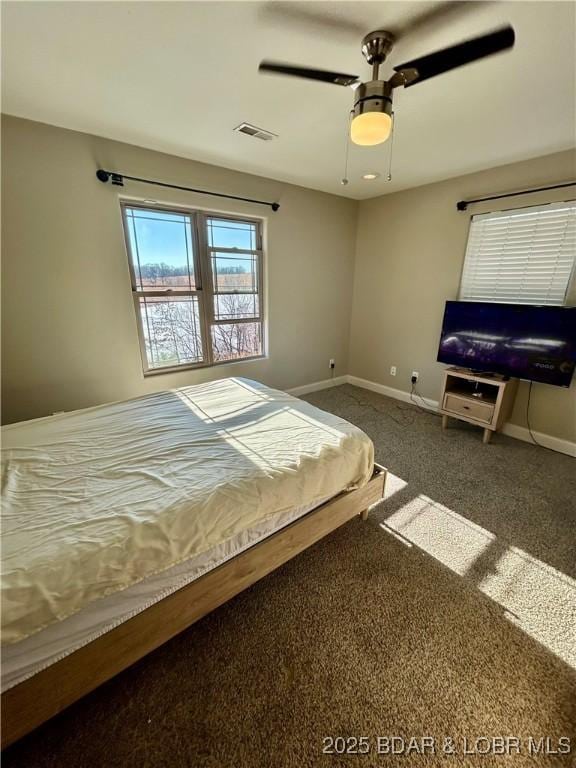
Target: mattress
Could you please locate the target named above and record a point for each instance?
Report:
(23, 659)
(97, 501)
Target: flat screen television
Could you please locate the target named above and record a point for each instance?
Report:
(518, 340)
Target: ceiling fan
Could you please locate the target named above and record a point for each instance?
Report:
(372, 121)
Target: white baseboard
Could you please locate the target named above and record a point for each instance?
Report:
(316, 386)
(511, 430)
(548, 441)
(397, 394)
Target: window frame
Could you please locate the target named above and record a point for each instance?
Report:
(571, 282)
(204, 283)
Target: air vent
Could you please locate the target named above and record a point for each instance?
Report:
(257, 133)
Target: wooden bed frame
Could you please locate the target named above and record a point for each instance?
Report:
(48, 692)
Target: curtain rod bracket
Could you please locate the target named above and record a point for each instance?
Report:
(105, 176)
(117, 179)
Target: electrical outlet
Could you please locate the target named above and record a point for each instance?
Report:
(393, 370)
(415, 375)
(332, 364)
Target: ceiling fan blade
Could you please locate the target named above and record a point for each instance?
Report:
(434, 18)
(334, 18)
(442, 61)
(292, 70)
(298, 15)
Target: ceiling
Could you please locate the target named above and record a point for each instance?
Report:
(179, 76)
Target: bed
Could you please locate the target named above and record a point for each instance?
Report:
(125, 523)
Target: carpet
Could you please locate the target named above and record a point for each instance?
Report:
(439, 626)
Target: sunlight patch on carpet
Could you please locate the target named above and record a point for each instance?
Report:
(393, 484)
(536, 597)
(445, 535)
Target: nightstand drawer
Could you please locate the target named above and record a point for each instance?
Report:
(469, 408)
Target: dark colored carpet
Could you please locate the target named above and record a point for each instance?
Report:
(366, 634)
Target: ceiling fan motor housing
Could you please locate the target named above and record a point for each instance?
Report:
(373, 96)
(377, 45)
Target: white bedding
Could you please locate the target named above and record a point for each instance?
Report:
(96, 501)
(23, 659)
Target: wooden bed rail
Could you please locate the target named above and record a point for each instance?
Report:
(32, 702)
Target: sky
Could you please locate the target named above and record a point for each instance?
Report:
(163, 237)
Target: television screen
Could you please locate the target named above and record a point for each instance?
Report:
(517, 340)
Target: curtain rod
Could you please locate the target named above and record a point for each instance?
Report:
(118, 180)
(463, 204)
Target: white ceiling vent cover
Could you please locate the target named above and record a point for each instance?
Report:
(257, 133)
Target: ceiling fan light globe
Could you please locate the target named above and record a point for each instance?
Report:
(370, 128)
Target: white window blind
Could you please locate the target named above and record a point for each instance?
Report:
(523, 256)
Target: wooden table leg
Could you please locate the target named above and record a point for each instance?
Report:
(487, 435)
(364, 514)
(444, 422)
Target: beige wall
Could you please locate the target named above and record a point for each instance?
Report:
(410, 250)
(69, 331)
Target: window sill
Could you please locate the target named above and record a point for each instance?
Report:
(201, 366)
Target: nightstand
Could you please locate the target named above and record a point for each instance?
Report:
(482, 399)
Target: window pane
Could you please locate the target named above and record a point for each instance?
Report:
(161, 249)
(172, 334)
(224, 233)
(235, 306)
(236, 340)
(235, 273)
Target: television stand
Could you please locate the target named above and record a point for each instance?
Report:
(482, 399)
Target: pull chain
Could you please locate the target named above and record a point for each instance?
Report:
(389, 177)
(344, 179)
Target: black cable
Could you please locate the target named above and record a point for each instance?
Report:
(528, 417)
(528, 422)
(405, 422)
(430, 411)
(427, 407)
(365, 404)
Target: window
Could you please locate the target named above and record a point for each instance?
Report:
(197, 286)
(523, 256)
